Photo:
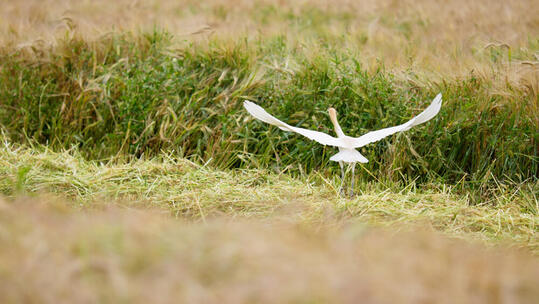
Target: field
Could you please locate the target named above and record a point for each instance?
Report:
(130, 172)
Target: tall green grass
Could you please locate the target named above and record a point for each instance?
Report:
(138, 95)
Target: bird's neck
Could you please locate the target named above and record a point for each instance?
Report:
(337, 127)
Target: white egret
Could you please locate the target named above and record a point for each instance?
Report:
(347, 145)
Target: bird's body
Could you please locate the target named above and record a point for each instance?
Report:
(348, 155)
(347, 152)
(347, 145)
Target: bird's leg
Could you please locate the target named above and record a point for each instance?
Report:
(352, 182)
(342, 190)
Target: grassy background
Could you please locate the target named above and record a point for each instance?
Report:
(140, 95)
(171, 76)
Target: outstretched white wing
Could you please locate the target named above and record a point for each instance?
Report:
(259, 113)
(424, 116)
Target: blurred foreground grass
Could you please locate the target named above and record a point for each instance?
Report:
(52, 253)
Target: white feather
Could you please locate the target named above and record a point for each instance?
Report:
(424, 116)
(259, 113)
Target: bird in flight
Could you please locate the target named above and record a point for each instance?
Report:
(347, 145)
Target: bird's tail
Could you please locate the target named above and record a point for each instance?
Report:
(349, 156)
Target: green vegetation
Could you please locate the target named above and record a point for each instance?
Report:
(126, 96)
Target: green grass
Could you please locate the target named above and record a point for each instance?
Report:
(137, 96)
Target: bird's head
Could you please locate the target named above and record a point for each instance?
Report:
(333, 117)
(332, 113)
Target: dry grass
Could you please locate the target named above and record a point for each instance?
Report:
(444, 36)
(52, 254)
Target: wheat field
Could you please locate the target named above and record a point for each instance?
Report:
(438, 38)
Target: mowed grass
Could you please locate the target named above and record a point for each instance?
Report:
(198, 193)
